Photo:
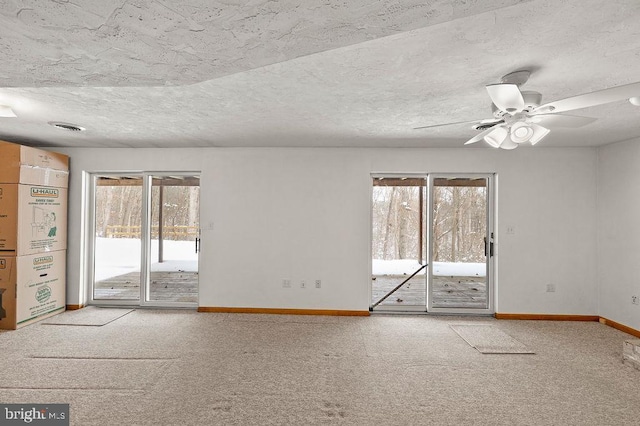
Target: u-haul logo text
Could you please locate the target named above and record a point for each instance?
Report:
(42, 260)
(44, 192)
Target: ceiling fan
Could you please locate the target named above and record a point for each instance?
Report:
(519, 117)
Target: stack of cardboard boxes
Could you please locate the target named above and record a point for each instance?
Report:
(33, 234)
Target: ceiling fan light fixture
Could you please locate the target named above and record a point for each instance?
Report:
(496, 137)
(7, 112)
(539, 132)
(521, 132)
(508, 144)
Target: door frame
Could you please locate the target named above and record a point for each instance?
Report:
(145, 243)
(491, 229)
(404, 308)
(490, 244)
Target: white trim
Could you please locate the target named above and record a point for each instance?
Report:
(490, 230)
(88, 239)
(390, 308)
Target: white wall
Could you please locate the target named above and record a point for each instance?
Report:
(305, 214)
(619, 231)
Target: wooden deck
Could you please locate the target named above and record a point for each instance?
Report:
(449, 292)
(165, 286)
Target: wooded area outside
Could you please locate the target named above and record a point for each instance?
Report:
(118, 206)
(458, 230)
(459, 222)
(396, 222)
(119, 210)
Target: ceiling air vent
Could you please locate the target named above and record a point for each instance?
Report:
(66, 126)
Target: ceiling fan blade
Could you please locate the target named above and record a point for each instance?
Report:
(445, 124)
(506, 97)
(492, 121)
(7, 112)
(586, 100)
(479, 136)
(562, 120)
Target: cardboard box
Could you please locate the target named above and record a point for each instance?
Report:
(23, 164)
(33, 219)
(31, 288)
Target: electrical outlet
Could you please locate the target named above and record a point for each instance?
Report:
(551, 288)
(634, 300)
(303, 284)
(286, 283)
(511, 230)
(318, 283)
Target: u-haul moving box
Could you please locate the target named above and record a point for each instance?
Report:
(23, 164)
(33, 233)
(31, 288)
(33, 219)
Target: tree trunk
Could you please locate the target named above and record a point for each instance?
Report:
(389, 224)
(105, 209)
(436, 225)
(455, 223)
(193, 205)
(403, 224)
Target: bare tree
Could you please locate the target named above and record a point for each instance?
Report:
(458, 226)
(390, 222)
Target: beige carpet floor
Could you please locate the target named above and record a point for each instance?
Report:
(89, 316)
(155, 367)
(489, 339)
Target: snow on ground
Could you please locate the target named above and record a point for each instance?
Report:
(408, 266)
(118, 256)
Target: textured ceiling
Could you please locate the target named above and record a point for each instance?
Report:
(286, 73)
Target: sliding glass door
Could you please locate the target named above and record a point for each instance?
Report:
(145, 239)
(461, 244)
(398, 243)
(432, 243)
(175, 228)
(117, 240)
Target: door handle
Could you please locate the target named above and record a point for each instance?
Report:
(490, 246)
(197, 245)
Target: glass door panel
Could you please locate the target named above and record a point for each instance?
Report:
(146, 239)
(118, 238)
(174, 239)
(398, 243)
(461, 239)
